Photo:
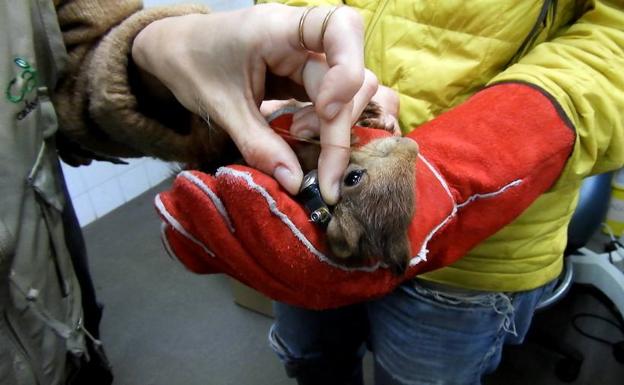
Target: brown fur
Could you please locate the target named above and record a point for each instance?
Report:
(371, 218)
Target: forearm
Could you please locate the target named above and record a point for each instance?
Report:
(583, 70)
(103, 101)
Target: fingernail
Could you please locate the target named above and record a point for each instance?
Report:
(336, 191)
(286, 178)
(332, 109)
(334, 194)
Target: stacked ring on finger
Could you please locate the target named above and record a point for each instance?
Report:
(324, 25)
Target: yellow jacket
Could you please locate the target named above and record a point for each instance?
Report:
(437, 54)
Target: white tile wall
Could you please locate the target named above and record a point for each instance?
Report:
(101, 187)
(134, 181)
(84, 208)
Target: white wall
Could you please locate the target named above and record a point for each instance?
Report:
(101, 187)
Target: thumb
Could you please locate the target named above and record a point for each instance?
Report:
(266, 151)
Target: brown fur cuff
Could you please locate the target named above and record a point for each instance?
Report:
(116, 100)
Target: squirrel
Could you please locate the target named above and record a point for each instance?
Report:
(370, 221)
(376, 205)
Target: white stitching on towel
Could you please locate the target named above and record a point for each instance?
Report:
(515, 183)
(177, 226)
(211, 194)
(226, 171)
(422, 254)
(165, 241)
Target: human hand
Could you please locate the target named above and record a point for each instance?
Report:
(218, 66)
(388, 100)
(306, 122)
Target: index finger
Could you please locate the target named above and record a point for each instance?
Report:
(335, 152)
(343, 46)
(335, 133)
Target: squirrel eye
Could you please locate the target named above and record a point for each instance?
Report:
(354, 177)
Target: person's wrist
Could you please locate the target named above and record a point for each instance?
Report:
(161, 45)
(140, 57)
(140, 46)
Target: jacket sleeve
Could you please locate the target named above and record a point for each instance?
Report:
(101, 103)
(583, 70)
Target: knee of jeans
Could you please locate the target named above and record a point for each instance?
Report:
(279, 346)
(293, 358)
(290, 361)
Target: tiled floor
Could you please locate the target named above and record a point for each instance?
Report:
(163, 325)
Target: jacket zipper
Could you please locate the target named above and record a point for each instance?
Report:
(538, 27)
(373, 23)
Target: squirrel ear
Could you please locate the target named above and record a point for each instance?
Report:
(343, 235)
(397, 254)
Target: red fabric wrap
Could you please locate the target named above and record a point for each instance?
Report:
(481, 165)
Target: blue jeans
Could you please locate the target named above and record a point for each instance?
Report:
(421, 333)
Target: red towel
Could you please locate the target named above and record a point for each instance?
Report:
(480, 166)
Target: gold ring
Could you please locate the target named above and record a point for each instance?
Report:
(326, 21)
(301, 22)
